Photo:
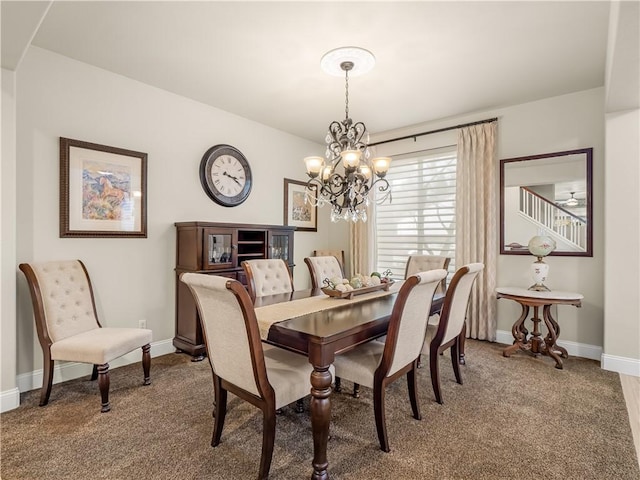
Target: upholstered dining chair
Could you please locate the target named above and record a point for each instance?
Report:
(451, 327)
(376, 365)
(339, 254)
(68, 327)
(423, 263)
(321, 268)
(267, 277)
(268, 377)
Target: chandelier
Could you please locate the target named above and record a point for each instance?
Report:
(347, 175)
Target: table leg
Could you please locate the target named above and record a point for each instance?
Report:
(519, 335)
(536, 340)
(320, 419)
(556, 326)
(551, 338)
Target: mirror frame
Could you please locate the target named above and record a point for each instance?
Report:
(589, 197)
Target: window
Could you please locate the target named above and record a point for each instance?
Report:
(420, 220)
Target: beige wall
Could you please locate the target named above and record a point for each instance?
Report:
(555, 124)
(8, 389)
(622, 199)
(134, 278)
(622, 214)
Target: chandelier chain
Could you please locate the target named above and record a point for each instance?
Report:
(346, 93)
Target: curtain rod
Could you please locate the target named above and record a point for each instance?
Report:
(488, 120)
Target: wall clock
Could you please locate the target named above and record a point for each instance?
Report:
(225, 175)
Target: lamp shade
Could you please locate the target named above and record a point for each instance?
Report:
(541, 245)
(350, 158)
(314, 165)
(381, 165)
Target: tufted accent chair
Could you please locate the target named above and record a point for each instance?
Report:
(267, 277)
(268, 377)
(451, 328)
(68, 326)
(321, 268)
(376, 364)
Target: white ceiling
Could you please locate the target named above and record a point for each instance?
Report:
(261, 60)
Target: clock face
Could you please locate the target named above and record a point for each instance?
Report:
(225, 175)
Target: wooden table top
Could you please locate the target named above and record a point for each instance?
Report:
(344, 326)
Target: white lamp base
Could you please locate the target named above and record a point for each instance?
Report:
(539, 272)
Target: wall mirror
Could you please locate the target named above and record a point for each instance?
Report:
(548, 194)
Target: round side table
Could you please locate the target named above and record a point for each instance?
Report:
(534, 342)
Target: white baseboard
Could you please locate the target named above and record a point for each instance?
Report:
(613, 363)
(627, 366)
(9, 400)
(574, 349)
(64, 371)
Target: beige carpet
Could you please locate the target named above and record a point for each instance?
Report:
(513, 418)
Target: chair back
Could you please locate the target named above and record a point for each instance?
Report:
(267, 277)
(339, 254)
(408, 324)
(230, 330)
(423, 263)
(321, 268)
(62, 299)
(454, 309)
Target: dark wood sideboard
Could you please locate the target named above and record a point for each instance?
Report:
(219, 249)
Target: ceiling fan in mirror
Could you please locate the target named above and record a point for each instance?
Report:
(572, 201)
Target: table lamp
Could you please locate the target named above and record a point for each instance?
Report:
(540, 246)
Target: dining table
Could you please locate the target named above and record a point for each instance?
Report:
(321, 327)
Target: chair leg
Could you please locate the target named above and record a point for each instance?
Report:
(455, 361)
(146, 363)
(461, 341)
(103, 385)
(356, 390)
(220, 410)
(380, 416)
(268, 440)
(412, 384)
(435, 372)
(94, 373)
(338, 385)
(47, 379)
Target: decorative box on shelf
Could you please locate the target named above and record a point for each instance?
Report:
(349, 294)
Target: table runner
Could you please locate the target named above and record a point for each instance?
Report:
(270, 314)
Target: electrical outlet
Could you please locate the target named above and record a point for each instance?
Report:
(142, 323)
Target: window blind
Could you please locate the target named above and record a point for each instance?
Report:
(420, 220)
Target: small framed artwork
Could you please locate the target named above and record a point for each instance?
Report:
(103, 191)
(297, 212)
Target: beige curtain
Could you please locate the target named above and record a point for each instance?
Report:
(362, 244)
(362, 237)
(477, 223)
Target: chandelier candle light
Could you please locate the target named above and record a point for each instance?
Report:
(347, 190)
